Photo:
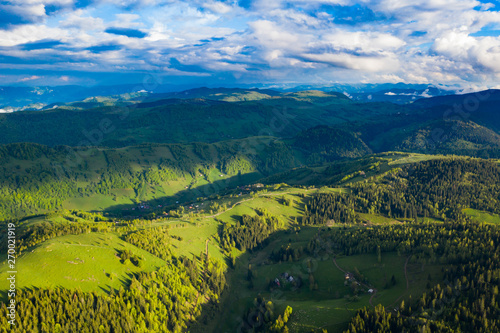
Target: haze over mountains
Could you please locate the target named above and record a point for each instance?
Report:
(18, 98)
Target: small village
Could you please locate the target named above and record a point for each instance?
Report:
(286, 281)
(146, 208)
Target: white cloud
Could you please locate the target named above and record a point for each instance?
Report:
(82, 20)
(281, 40)
(270, 35)
(483, 53)
(218, 7)
(362, 63)
(30, 33)
(31, 12)
(366, 42)
(400, 6)
(30, 78)
(126, 21)
(134, 3)
(43, 2)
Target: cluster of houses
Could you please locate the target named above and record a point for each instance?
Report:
(142, 206)
(349, 278)
(244, 189)
(287, 279)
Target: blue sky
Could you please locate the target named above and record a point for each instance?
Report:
(269, 42)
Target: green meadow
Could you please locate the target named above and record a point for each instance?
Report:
(482, 216)
(89, 262)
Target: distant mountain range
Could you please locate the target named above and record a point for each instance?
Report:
(16, 98)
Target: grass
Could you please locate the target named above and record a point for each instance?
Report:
(97, 202)
(53, 218)
(86, 261)
(332, 315)
(270, 202)
(376, 218)
(481, 216)
(194, 237)
(414, 158)
(330, 306)
(379, 276)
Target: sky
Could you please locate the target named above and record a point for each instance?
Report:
(259, 42)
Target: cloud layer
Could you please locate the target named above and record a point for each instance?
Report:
(251, 41)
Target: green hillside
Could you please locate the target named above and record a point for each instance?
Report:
(458, 137)
(213, 115)
(388, 238)
(183, 120)
(322, 144)
(39, 178)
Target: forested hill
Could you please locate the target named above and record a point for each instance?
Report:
(323, 143)
(125, 126)
(177, 120)
(437, 188)
(39, 178)
(427, 126)
(480, 107)
(470, 100)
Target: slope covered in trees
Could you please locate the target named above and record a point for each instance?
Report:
(39, 178)
(468, 299)
(168, 299)
(324, 144)
(453, 136)
(180, 121)
(437, 188)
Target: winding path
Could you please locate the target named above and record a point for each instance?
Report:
(364, 285)
(406, 273)
(407, 283)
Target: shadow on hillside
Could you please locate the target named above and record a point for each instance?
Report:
(240, 292)
(187, 196)
(124, 282)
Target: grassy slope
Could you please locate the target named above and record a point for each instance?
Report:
(132, 164)
(482, 216)
(77, 261)
(330, 306)
(347, 171)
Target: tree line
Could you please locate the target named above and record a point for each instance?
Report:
(250, 232)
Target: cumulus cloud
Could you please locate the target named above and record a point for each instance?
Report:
(306, 41)
(218, 7)
(30, 78)
(356, 62)
(16, 14)
(81, 19)
(482, 53)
